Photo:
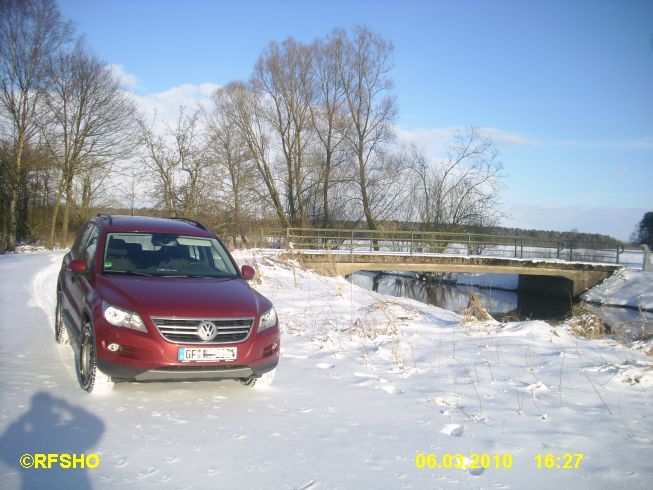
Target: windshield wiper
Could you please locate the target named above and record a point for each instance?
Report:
(195, 276)
(131, 273)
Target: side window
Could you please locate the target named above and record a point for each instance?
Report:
(91, 246)
(82, 238)
(218, 261)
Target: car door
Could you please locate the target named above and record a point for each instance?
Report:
(77, 286)
(67, 278)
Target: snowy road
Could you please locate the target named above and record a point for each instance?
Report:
(365, 383)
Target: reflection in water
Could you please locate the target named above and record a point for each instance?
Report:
(625, 324)
(500, 303)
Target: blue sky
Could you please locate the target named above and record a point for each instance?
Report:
(565, 87)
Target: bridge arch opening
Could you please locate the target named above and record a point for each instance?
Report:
(557, 286)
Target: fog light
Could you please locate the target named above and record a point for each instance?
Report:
(113, 347)
(270, 349)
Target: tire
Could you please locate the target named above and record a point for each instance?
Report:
(263, 381)
(60, 332)
(90, 378)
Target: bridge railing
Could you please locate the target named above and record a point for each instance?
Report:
(449, 243)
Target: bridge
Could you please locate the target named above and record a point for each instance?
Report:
(548, 267)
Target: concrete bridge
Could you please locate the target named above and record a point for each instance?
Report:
(549, 277)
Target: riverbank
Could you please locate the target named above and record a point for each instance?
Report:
(626, 288)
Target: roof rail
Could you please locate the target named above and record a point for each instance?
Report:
(107, 217)
(191, 221)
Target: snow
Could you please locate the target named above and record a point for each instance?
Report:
(365, 383)
(627, 287)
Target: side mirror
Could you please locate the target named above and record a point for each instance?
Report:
(248, 272)
(78, 266)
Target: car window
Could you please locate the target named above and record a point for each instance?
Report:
(82, 238)
(164, 254)
(91, 246)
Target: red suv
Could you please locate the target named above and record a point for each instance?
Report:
(162, 299)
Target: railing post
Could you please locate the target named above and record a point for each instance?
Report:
(571, 251)
(646, 266)
(287, 237)
(469, 244)
(521, 248)
(620, 250)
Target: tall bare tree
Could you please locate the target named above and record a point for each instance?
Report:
(91, 122)
(364, 70)
(29, 31)
(283, 77)
(176, 155)
(328, 111)
(461, 189)
(244, 108)
(232, 168)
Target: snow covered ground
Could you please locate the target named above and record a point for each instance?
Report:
(625, 288)
(365, 383)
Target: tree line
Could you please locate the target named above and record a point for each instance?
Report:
(307, 140)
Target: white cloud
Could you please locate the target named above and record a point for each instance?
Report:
(436, 140)
(128, 81)
(506, 139)
(166, 104)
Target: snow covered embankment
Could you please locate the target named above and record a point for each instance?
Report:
(627, 287)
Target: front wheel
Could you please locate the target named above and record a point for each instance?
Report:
(90, 378)
(60, 332)
(263, 381)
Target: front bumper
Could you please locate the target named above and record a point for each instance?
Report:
(150, 357)
(184, 373)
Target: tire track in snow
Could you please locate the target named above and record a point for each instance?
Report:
(44, 287)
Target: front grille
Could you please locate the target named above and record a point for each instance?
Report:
(184, 330)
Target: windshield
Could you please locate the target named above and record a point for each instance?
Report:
(165, 254)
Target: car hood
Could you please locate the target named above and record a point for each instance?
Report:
(182, 296)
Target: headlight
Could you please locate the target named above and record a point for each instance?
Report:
(268, 319)
(122, 318)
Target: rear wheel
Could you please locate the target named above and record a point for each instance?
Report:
(60, 332)
(90, 378)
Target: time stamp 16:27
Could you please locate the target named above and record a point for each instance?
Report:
(547, 461)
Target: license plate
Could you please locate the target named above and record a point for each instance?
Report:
(207, 354)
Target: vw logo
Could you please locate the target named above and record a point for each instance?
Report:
(207, 330)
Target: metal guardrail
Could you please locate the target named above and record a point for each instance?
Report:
(450, 243)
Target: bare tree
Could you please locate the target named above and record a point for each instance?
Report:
(462, 189)
(29, 31)
(232, 168)
(328, 111)
(177, 158)
(364, 70)
(244, 109)
(90, 122)
(284, 79)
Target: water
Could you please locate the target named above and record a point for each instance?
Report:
(624, 324)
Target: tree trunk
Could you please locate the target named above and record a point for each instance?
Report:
(53, 219)
(66, 214)
(326, 219)
(13, 198)
(371, 223)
